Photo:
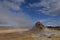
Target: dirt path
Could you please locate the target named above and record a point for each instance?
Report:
(12, 30)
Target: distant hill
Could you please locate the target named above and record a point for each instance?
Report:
(6, 27)
(11, 27)
(54, 27)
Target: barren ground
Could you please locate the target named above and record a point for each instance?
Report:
(14, 34)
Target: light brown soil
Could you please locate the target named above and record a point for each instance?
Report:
(18, 36)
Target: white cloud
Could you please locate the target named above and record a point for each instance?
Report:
(19, 0)
(14, 19)
(52, 7)
(50, 22)
(13, 5)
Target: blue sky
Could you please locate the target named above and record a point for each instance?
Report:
(27, 12)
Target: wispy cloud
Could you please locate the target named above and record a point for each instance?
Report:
(50, 22)
(12, 18)
(50, 7)
(13, 4)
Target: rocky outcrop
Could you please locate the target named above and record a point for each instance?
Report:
(39, 25)
(37, 28)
